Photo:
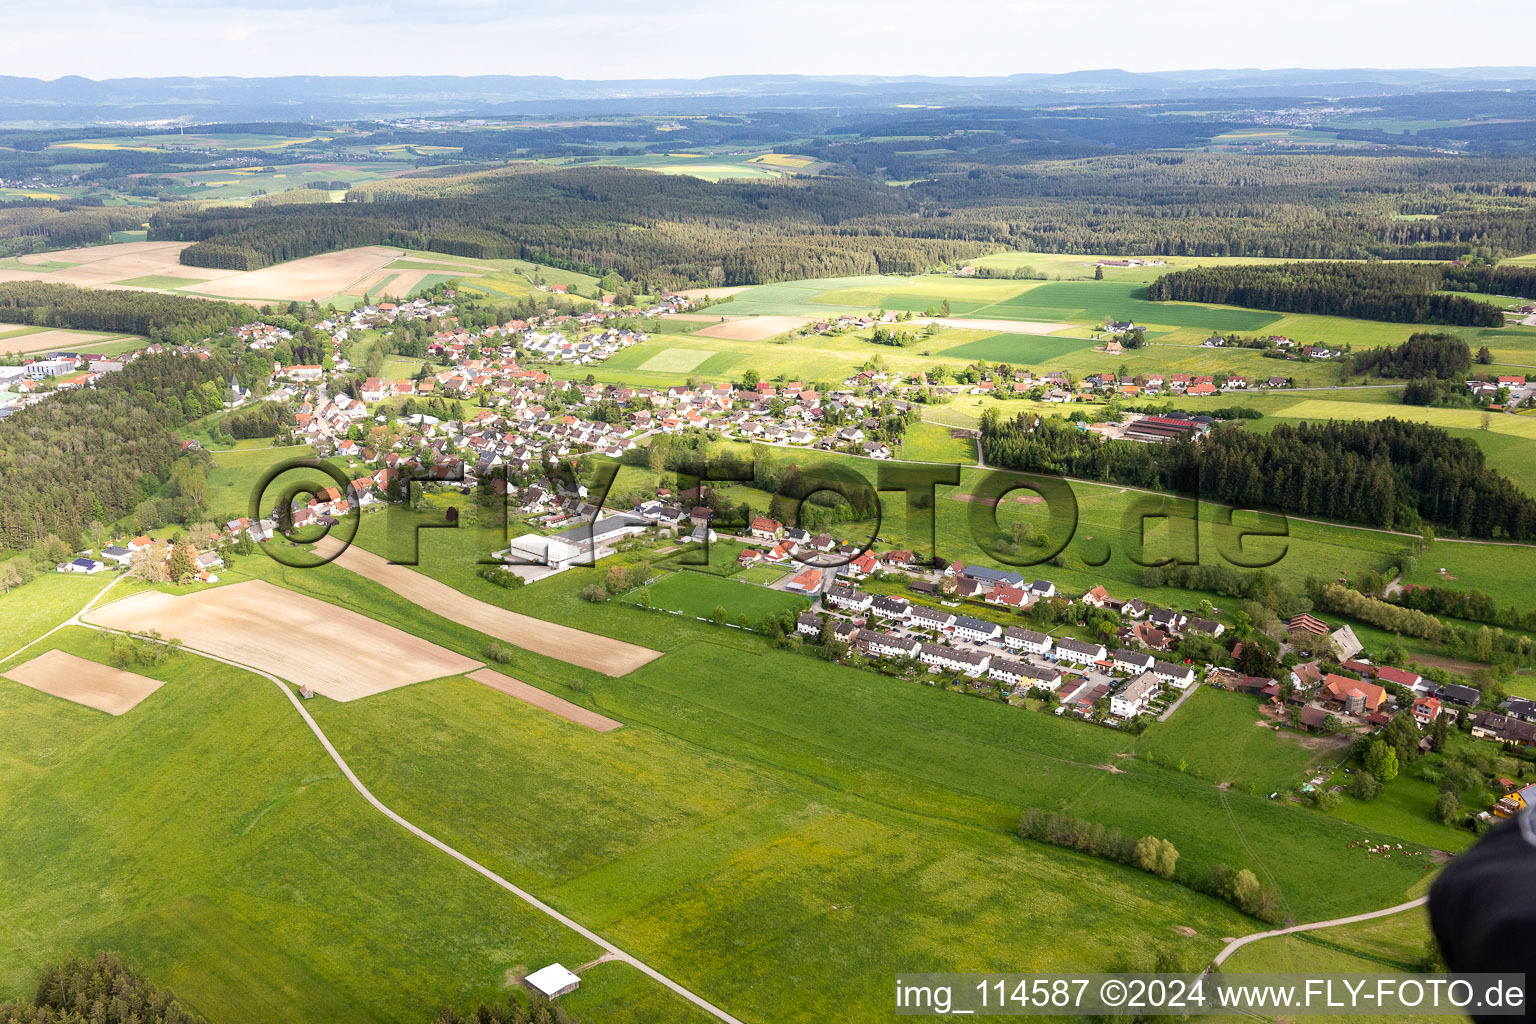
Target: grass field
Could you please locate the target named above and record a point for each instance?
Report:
(1216, 735)
(698, 594)
(249, 877)
(760, 805)
(235, 474)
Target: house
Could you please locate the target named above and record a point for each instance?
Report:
(1079, 652)
(1305, 623)
(894, 608)
(954, 659)
(1357, 695)
(89, 566)
(849, 599)
(808, 624)
(1490, 725)
(1180, 676)
(1041, 589)
(1166, 619)
(886, 645)
(1135, 696)
(923, 617)
(1515, 802)
(764, 528)
(139, 544)
(967, 628)
(554, 980)
(1098, 597)
(1026, 640)
(1519, 707)
(116, 554)
(1210, 627)
(1130, 661)
(1426, 710)
(1021, 673)
(1012, 597)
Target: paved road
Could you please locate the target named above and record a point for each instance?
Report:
(1168, 712)
(611, 951)
(1237, 944)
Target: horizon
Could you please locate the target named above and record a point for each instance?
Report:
(90, 38)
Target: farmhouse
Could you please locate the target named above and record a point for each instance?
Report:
(1134, 696)
(1357, 696)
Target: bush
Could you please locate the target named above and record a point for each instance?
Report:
(595, 592)
(499, 654)
(1364, 786)
(1328, 801)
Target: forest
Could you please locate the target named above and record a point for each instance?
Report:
(92, 455)
(1437, 355)
(101, 990)
(1396, 292)
(173, 319)
(1383, 473)
(674, 230)
(37, 226)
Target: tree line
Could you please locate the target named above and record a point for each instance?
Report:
(174, 319)
(1384, 473)
(1396, 292)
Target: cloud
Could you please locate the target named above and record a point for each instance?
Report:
(601, 39)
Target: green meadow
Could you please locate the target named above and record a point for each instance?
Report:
(698, 595)
(207, 836)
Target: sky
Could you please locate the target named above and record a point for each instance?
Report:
(601, 39)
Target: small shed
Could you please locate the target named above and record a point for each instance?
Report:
(552, 981)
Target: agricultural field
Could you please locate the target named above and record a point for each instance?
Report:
(711, 166)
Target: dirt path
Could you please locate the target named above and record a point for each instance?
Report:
(1237, 944)
(611, 952)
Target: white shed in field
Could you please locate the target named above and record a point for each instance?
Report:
(552, 981)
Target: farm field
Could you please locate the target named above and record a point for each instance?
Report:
(709, 166)
(235, 473)
(520, 690)
(600, 654)
(248, 875)
(343, 656)
(25, 340)
(84, 682)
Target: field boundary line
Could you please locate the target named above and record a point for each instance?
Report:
(613, 951)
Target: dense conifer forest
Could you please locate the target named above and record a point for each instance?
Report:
(1397, 292)
(174, 319)
(1384, 473)
(674, 230)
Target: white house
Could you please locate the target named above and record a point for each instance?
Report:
(1079, 652)
(1130, 661)
(1134, 696)
(808, 624)
(923, 617)
(967, 628)
(89, 566)
(887, 645)
(1026, 640)
(1174, 675)
(954, 659)
(850, 599)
